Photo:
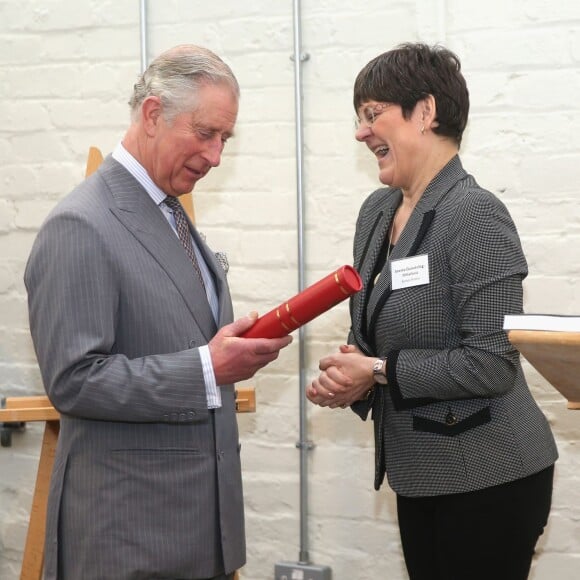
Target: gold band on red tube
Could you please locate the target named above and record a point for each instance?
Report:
(340, 285)
(298, 324)
(280, 319)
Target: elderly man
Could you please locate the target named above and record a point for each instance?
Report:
(131, 319)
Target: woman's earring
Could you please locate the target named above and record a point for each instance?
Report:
(422, 129)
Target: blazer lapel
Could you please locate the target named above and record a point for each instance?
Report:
(365, 263)
(410, 239)
(139, 214)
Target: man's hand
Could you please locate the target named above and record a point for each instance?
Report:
(237, 359)
(346, 377)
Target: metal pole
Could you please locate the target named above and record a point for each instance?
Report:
(143, 33)
(303, 444)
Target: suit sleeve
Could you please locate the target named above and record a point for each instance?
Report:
(74, 292)
(487, 266)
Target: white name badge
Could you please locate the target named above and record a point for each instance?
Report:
(408, 272)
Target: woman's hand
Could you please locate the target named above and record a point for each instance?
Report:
(345, 377)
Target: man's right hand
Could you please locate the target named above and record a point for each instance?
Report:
(237, 359)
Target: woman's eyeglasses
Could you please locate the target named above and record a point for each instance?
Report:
(370, 114)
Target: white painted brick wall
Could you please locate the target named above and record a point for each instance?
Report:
(66, 68)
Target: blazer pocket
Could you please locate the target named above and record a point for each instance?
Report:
(158, 451)
(452, 426)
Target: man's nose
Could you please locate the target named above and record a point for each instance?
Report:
(213, 151)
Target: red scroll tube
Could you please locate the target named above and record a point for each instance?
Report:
(307, 305)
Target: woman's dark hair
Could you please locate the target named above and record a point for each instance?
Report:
(409, 73)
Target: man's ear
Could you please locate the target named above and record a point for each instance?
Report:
(151, 110)
(429, 112)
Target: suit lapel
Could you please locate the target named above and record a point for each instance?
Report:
(409, 241)
(139, 214)
(366, 262)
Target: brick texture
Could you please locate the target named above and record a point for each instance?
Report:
(66, 69)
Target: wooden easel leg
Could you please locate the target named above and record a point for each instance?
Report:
(33, 559)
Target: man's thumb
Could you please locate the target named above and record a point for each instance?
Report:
(240, 325)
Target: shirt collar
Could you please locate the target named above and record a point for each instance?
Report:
(122, 156)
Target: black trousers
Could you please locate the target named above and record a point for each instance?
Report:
(480, 535)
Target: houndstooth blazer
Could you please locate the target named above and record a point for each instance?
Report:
(457, 414)
(146, 480)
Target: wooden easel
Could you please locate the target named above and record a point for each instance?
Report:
(26, 409)
(39, 408)
(556, 356)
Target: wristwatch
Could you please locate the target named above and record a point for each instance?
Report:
(380, 371)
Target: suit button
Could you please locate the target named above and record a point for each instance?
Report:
(192, 343)
(450, 419)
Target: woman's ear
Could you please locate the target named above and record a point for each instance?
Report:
(429, 112)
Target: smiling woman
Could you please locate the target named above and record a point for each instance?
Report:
(457, 432)
(426, 102)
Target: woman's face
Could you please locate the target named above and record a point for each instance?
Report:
(394, 140)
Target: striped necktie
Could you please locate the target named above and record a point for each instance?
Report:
(183, 232)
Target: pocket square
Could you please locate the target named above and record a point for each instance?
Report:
(222, 259)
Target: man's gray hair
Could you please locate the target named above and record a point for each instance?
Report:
(176, 76)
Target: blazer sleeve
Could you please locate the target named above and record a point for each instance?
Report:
(73, 283)
(486, 265)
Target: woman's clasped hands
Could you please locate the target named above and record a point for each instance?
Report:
(345, 377)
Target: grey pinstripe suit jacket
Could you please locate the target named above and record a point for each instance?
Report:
(146, 481)
(457, 414)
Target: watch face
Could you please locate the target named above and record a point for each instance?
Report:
(379, 374)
